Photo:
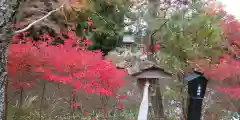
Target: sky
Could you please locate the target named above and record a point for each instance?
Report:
(232, 7)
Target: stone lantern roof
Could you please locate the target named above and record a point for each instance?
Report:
(144, 69)
(137, 65)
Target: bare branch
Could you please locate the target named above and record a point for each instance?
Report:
(39, 20)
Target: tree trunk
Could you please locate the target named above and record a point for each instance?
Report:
(7, 10)
(3, 75)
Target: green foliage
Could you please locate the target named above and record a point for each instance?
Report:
(108, 18)
(187, 35)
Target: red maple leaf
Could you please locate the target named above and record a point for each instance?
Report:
(69, 63)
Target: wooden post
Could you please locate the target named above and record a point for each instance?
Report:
(143, 110)
(157, 101)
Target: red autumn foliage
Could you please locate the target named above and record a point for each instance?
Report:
(75, 105)
(105, 110)
(213, 7)
(122, 97)
(120, 106)
(85, 114)
(69, 63)
(228, 69)
(157, 47)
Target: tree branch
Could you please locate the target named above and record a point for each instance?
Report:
(39, 20)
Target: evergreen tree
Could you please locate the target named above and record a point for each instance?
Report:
(108, 17)
(188, 35)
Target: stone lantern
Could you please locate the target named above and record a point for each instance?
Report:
(147, 71)
(128, 41)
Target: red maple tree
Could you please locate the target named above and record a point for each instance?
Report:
(228, 68)
(69, 63)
